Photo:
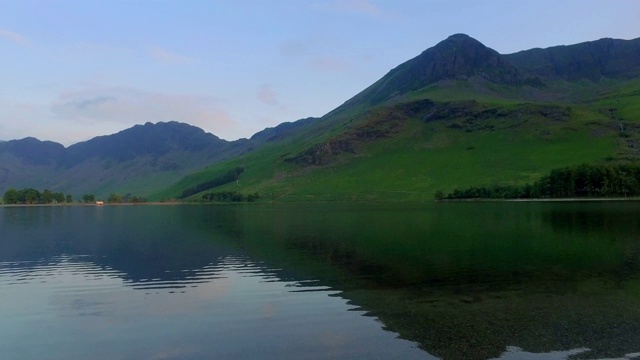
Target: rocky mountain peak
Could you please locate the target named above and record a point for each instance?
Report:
(458, 57)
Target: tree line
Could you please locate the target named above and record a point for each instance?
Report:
(225, 178)
(230, 196)
(128, 198)
(580, 181)
(115, 198)
(33, 196)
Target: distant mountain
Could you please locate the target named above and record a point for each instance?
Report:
(459, 114)
(280, 131)
(154, 140)
(138, 160)
(33, 151)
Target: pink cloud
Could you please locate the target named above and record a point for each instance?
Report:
(14, 37)
(267, 95)
(168, 56)
(330, 64)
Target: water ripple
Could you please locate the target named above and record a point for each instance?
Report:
(58, 272)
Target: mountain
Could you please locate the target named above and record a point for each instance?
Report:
(149, 139)
(138, 160)
(281, 131)
(459, 114)
(457, 57)
(595, 60)
(33, 151)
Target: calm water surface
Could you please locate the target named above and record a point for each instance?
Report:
(321, 281)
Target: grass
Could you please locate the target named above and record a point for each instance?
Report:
(441, 159)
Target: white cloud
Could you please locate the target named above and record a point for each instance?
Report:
(83, 104)
(14, 37)
(131, 106)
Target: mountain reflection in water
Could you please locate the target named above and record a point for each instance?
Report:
(464, 281)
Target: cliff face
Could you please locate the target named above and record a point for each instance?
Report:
(594, 60)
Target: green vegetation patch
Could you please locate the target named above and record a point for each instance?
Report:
(227, 177)
(581, 181)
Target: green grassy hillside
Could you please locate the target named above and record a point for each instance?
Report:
(408, 149)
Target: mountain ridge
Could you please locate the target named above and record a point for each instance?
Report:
(591, 60)
(108, 163)
(461, 57)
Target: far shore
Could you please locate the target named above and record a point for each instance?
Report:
(168, 203)
(154, 203)
(542, 200)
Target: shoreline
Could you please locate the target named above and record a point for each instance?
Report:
(172, 203)
(541, 200)
(151, 203)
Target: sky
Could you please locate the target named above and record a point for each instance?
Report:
(75, 69)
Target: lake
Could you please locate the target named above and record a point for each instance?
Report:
(481, 280)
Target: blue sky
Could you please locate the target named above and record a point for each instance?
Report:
(75, 69)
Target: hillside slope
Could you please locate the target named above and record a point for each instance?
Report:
(459, 114)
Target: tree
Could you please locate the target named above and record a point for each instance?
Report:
(581, 181)
(11, 196)
(135, 200)
(31, 196)
(47, 196)
(58, 197)
(114, 198)
(87, 198)
(69, 198)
